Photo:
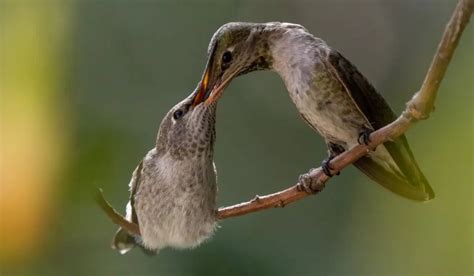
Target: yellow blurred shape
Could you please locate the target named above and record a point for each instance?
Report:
(33, 37)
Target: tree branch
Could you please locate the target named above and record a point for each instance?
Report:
(418, 108)
(116, 218)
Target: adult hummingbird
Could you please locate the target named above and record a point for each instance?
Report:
(331, 95)
(173, 189)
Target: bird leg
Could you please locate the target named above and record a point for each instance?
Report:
(326, 166)
(364, 136)
(333, 151)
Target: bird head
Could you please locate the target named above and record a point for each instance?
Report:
(188, 129)
(235, 49)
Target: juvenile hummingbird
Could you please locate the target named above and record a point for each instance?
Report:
(173, 189)
(331, 95)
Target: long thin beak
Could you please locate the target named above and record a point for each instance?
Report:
(217, 90)
(203, 89)
(210, 88)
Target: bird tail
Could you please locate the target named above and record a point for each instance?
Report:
(123, 241)
(415, 187)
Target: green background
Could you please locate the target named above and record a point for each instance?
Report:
(124, 64)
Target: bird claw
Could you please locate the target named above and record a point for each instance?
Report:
(307, 183)
(364, 136)
(326, 167)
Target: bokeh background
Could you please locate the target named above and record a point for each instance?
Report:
(85, 85)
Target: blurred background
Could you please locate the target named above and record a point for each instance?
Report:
(85, 84)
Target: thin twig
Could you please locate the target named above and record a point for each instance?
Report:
(422, 103)
(419, 107)
(116, 218)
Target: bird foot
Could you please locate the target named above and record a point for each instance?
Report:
(364, 136)
(308, 183)
(326, 166)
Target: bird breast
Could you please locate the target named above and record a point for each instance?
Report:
(316, 92)
(176, 201)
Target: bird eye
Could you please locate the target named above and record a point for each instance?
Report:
(226, 57)
(178, 114)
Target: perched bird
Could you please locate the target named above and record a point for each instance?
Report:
(173, 189)
(331, 95)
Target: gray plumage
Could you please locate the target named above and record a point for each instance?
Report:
(173, 189)
(331, 95)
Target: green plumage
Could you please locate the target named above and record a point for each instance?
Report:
(413, 185)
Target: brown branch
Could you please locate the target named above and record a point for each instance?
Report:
(116, 218)
(419, 107)
(422, 103)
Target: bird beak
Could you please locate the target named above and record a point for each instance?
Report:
(219, 87)
(202, 91)
(210, 88)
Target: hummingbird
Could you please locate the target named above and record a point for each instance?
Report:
(329, 92)
(173, 189)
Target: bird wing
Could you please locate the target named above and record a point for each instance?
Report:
(134, 184)
(123, 241)
(374, 107)
(367, 99)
